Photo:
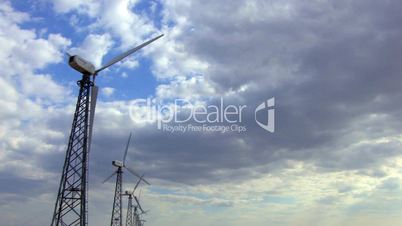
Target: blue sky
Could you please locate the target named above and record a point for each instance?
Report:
(333, 68)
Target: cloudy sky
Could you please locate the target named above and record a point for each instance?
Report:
(333, 67)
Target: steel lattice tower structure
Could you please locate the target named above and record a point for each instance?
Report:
(117, 216)
(71, 203)
(137, 217)
(129, 217)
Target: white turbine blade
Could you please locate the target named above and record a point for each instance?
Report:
(136, 174)
(124, 55)
(125, 152)
(109, 177)
(94, 96)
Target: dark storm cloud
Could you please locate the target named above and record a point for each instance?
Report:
(330, 65)
(25, 187)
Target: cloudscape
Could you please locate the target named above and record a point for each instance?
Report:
(272, 112)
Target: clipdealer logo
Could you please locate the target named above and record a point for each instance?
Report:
(267, 106)
(182, 115)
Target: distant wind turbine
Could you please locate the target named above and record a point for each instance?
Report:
(117, 213)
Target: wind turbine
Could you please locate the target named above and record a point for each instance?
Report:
(129, 216)
(71, 203)
(117, 214)
(138, 221)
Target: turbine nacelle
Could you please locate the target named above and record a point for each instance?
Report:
(81, 65)
(118, 163)
(122, 164)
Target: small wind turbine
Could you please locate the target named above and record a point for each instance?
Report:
(71, 203)
(138, 220)
(129, 216)
(117, 217)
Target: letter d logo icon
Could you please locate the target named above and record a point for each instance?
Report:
(269, 107)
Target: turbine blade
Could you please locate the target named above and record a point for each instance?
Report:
(133, 172)
(138, 182)
(109, 177)
(94, 96)
(125, 152)
(137, 175)
(124, 55)
(138, 203)
(144, 213)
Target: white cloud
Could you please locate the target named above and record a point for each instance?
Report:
(85, 7)
(116, 17)
(124, 75)
(129, 62)
(191, 88)
(26, 94)
(108, 91)
(24, 51)
(93, 48)
(170, 54)
(41, 86)
(127, 26)
(13, 17)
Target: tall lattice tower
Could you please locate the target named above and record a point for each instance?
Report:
(71, 202)
(117, 215)
(129, 216)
